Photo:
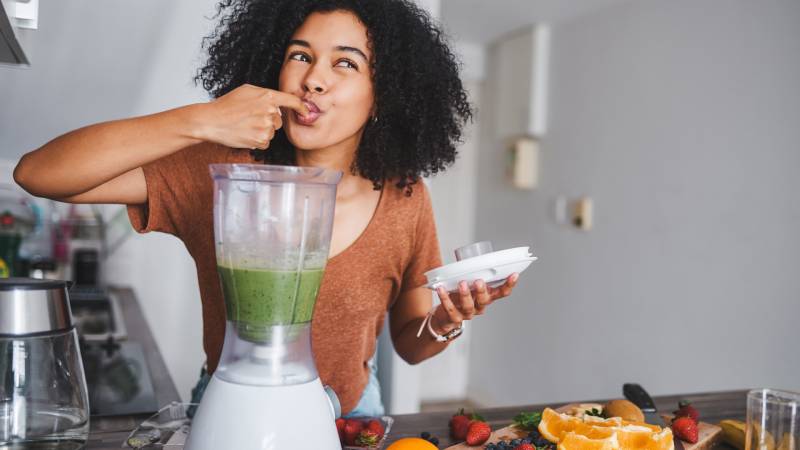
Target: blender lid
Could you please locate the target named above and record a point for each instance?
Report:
(275, 174)
(481, 262)
(493, 268)
(31, 306)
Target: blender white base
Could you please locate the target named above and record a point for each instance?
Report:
(246, 417)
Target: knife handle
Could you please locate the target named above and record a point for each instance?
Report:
(636, 394)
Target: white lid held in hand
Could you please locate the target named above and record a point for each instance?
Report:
(493, 267)
(473, 250)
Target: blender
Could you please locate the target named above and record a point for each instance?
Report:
(272, 231)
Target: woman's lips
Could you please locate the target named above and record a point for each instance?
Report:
(312, 116)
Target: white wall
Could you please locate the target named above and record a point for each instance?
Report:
(680, 119)
(453, 196)
(96, 60)
(403, 386)
(445, 377)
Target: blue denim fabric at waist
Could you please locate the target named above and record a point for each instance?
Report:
(369, 405)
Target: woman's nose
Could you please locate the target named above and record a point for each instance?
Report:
(314, 82)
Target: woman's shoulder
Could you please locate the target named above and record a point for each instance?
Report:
(409, 195)
(406, 204)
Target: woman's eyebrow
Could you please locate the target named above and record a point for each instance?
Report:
(342, 48)
(345, 48)
(300, 43)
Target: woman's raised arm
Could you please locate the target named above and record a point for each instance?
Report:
(102, 163)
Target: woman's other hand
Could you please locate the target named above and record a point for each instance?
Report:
(246, 117)
(465, 303)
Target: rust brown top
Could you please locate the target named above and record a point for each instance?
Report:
(360, 285)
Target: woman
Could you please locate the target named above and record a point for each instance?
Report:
(363, 86)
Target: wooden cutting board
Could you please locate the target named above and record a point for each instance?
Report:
(709, 435)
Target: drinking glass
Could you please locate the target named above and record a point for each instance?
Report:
(773, 420)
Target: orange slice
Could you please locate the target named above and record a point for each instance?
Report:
(596, 433)
(636, 437)
(554, 425)
(574, 441)
(642, 424)
(601, 422)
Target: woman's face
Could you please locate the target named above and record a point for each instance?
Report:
(327, 65)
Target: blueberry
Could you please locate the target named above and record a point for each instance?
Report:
(425, 435)
(434, 441)
(516, 442)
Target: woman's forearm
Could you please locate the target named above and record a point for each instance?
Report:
(415, 349)
(83, 159)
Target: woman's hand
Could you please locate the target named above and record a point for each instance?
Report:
(464, 304)
(246, 117)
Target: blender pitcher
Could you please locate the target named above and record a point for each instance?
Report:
(272, 230)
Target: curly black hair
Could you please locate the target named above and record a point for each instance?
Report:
(420, 103)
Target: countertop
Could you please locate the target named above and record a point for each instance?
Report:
(713, 407)
(109, 432)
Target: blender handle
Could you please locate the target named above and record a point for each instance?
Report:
(336, 407)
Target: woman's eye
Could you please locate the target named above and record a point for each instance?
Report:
(346, 63)
(299, 57)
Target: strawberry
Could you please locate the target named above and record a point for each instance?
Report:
(685, 429)
(685, 409)
(459, 425)
(376, 427)
(525, 446)
(352, 428)
(478, 433)
(367, 438)
(340, 428)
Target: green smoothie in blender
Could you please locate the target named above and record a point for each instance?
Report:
(258, 298)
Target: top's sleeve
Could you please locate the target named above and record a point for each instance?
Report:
(425, 254)
(168, 180)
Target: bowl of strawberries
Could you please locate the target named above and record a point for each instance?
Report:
(363, 432)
